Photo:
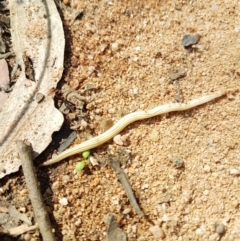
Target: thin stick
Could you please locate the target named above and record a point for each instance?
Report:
(25, 152)
(124, 181)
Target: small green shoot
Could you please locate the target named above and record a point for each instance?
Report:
(80, 165)
(86, 154)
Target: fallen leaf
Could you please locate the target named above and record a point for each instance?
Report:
(37, 36)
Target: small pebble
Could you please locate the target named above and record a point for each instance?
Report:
(93, 161)
(22, 210)
(214, 8)
(210, 140)
(177, 74)
(55, 185)
(189, 40)
(154, 135)
(114, 46)
(200, 231)
(157, 232)
(185, 227)
(134, 228)
(118, 140)
(135, 58)
(63, 201)
(65, 179)
(27, 237)
(126, 210)
(83, 123)
(213, 237)
(206, 192)
(165, 217)
(178, 163)
(77, 223)
(138, 48)
(234, 172)
(220, 229)
(49, 191)
(95, 182)
(207, 168)
(115, 202)
(39, 97)
(66, 2)
(144, 186)
(23, 192)
(135, 91)
(64, 109)
(111, 110)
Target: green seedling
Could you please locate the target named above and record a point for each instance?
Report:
(80, 165)
(86, 154)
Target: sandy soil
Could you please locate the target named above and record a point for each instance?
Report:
(127, 51)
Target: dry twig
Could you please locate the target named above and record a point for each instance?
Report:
(25, 152)
(124, 181)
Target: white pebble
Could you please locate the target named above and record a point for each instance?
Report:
(23, 192)
(207, 168)
(93, 161)
(206, 192)
(115, 202)
(185, 227)
(154, 135)
(200, 231)
(213, 237)
(145, 186)
(115, 46)
(220, 229)
(63, 201)
(77, 223)
(65, 179)
(165, 217)
(118, 140)
(215, 174)
(237, 29)
(126, 210)
(83, 123)
(55, 185)
(111, 110)
(157, 232)
(134, 228)
(234, 172)
(135, 58)
(22, 210)
(210, 140)
(135, 91)
(138, 48)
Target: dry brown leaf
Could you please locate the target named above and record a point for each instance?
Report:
(38, 39)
